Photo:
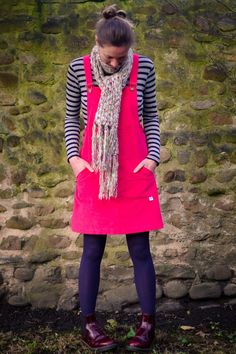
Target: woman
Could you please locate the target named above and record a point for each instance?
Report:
(116, 191)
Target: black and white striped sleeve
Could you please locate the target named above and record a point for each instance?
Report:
(72, 118)
(150, 117)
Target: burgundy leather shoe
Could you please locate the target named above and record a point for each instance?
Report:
(145, 334)
(94, 337)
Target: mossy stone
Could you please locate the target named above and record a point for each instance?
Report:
(18, 300)
(72, 42)
(42, 256)
(15, 23)
(44, 169)
(12, 243)
(172, 271)
(199, 105)
(9, 124)
(212, 191)
(169, 9)
(2, 209)
(36, 97)
(8, 80)
(19, 222)
(198, 177)
(181, 138)
(202, 24)
(43, 295)
(54, 223)
(35, 37)
(204, 37)
(6, 58)
(226, 24)
(19, 177)
(2, 172)
(52, 179)
(226, 175)
(14, 111)
(53, 25)
(7, 99)
(3, 44)
(13, 141)
(22, 205)
(215, 72)
(8, 193)
(175, 175)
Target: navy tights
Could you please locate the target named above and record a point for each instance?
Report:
(144, 272)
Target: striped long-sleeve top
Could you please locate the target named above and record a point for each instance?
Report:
(76, 101)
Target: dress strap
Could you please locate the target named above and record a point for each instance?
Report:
(134, 73)
(88, 73)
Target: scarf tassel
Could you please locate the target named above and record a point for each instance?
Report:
(106, 163)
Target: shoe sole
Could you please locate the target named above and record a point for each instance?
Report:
(102, 349)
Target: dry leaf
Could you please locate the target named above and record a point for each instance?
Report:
(187, 328)
(201, 334)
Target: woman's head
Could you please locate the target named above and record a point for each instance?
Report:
(114, 36)
(114, 28)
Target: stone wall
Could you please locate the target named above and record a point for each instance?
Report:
(193, 46)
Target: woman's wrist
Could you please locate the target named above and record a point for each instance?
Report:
(156, 162)
(74, 160)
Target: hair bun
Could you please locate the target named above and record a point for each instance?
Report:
(121, 13)
(111, 11)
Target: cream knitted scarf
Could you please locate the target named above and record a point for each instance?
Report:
(105, 147)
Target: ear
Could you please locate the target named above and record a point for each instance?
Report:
(96, 39)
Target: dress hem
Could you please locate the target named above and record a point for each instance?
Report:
(120, 232)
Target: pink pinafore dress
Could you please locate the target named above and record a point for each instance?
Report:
(136, 207)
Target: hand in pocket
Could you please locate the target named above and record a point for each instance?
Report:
(78, 165)
(147, 163)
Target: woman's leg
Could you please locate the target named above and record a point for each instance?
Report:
(89, 272)
(89, 278)
(144, 272)
(145, 281)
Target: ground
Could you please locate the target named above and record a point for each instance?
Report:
(198, 328)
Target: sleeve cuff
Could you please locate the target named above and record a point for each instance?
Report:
(153, 159)
(68, 158)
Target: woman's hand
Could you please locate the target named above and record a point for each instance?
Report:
(78, 165)
(149, 164)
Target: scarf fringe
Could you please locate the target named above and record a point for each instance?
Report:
(106, 163)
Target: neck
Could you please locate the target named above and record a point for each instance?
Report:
(109, 70)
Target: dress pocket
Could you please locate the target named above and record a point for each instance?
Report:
(87, 185)
(81, 173)
(137, 185)
(148, 170)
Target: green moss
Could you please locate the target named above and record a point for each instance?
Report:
(180, 52)
(43, 241)
(111, 256)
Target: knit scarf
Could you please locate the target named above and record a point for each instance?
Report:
(105, 147)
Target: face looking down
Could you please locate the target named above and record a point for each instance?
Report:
(113, 56)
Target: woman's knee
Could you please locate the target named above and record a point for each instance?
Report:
(139, 248)
(94, 247)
